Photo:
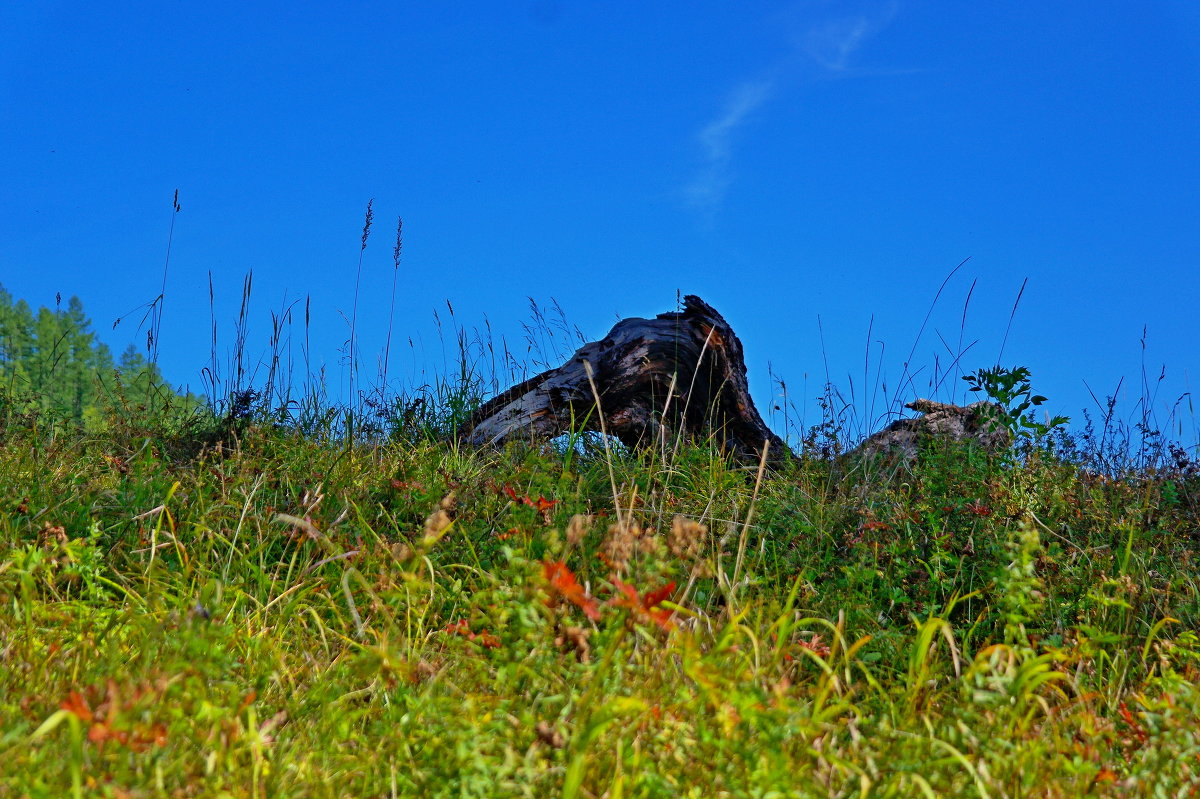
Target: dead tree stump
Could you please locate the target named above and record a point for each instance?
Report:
(679, 374)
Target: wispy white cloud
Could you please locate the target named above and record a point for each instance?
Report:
(831, 42)
(708, 187)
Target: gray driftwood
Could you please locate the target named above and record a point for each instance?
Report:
(679, 374)
(976, 423)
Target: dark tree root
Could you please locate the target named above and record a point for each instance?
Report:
(679, 374)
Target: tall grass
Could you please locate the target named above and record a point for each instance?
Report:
(274, 618)
(276, 612)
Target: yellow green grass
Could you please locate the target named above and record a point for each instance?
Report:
(257, 613)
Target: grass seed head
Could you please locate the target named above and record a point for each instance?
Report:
(686, 538)
(578, 528)
(577, 639)
(437, 522)
(620, 544)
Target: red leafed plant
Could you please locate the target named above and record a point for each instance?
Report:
(101, 721)
(564, 585)
(648, 606)
(978, 508)
(77, 706)
(541, 504)
(815, 645)
(484, 638)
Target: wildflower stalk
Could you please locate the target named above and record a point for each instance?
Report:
(366, 232)
(387, 346)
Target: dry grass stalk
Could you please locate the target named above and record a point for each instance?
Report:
(620, 543)
(578, 528)
(687, 538)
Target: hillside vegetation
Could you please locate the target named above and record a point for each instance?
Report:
(245, 604)
(248, 611)
(53, 364)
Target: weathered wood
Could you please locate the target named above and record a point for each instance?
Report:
(679, 374)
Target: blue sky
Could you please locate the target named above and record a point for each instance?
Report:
(812, 169)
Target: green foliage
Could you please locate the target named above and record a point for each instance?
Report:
(1011, 390)
(54, 369)
(295, 617)
(1019, 587)
(277, 607)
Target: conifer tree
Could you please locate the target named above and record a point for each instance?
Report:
(52, 363)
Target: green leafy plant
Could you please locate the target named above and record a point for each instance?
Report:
(1011, 390)
(1022, 594)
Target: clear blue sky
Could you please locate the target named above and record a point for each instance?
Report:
(787, 161)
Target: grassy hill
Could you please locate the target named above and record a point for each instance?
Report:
(240, 610)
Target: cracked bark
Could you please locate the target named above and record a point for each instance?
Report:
(680, 374)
